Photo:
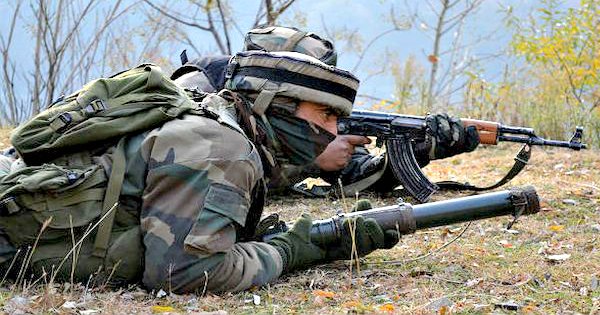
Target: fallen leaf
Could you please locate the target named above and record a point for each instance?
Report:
(157, 309)
(438, 304)
(311, 182)
(352, 304)
(557, 228)
(358, 307)
(387, 308)
(161, 293)
(325, 294)
(561, 257)
(530, 308)
(473, 282)
(69, 305)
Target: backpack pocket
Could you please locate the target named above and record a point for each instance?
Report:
(69, 198)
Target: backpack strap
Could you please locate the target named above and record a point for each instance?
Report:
(113, 191)
(521, 159)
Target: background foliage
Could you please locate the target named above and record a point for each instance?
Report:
(549, 70)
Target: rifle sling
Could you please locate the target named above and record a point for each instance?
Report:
(353, 188)
(521, 160)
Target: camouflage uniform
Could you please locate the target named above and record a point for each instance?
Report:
(194, 178)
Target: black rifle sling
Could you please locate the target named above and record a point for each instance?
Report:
(521, 160)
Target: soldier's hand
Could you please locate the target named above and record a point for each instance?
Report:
(449, 137)
(367, 236)
(362, 205)
(295, 246)
(339, 152)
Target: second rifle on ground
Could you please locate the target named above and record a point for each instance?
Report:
(407, 218)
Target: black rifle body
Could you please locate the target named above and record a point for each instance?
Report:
(400, 132)
(389, 126)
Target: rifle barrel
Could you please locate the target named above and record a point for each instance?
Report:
(472, 208)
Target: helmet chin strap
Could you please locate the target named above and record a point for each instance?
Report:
(262, 101)
(259, 107)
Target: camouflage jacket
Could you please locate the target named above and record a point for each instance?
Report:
(192, 180)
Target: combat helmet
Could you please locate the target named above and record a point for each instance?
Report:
(279, 38)
(207, 73)
(267, 75)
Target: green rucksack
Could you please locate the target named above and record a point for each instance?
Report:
(64, 189)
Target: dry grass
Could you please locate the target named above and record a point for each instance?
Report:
(486, 267)
(4, 142)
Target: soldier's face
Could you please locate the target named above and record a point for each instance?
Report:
(318, 114)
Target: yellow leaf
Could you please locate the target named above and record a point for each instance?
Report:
(157, 309)
(325, 294)
(387, 307)
(556, 228)
(352, 304)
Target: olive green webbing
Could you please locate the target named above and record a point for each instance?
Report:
(113, 191)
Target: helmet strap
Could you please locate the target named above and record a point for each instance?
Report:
(263, 100)
(259, 107)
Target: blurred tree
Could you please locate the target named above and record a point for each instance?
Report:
(73, 42)
(450, 55)
(567, 44)
(561, 47)
(67, 37)
(219, 19)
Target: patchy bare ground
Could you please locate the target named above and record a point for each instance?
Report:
(550, 265)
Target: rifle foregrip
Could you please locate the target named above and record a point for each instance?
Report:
(488, 130)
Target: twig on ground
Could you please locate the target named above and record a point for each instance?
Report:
(10, 266)
(405, 261)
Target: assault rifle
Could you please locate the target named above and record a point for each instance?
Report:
(407, 218)
(399, 132)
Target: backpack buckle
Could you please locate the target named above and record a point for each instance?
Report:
(95, 106)
(231, 67)
(72, 177)
(60, 123)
